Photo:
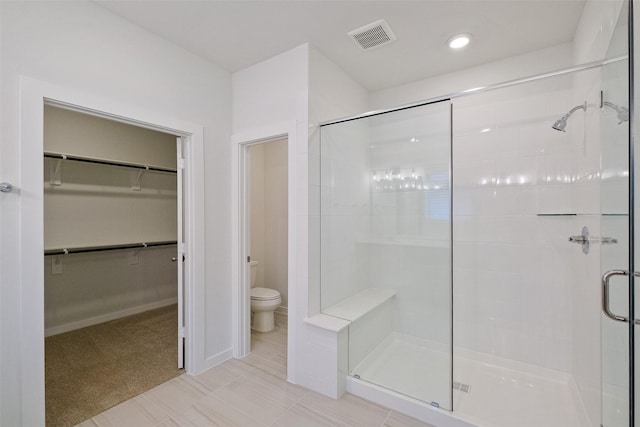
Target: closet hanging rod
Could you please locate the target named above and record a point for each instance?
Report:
(108, 162)
(85, 249)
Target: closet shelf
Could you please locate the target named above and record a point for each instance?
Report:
(60, 156)
(85, 249)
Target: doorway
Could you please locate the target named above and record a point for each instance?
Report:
(112, 272)
(266, 178)
(34, 95)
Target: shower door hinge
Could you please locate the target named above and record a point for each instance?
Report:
(180, 163)
(249, 258)
(181, 332)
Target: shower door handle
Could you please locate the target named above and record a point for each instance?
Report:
(605, 295)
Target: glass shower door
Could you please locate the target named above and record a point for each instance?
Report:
(616, 237)
(385, 261)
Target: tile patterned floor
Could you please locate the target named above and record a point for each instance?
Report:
(247, 392)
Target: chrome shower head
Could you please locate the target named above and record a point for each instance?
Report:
(560, 124)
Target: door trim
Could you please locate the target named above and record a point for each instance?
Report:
(34, 94)
(241, 328)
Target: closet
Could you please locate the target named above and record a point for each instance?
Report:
(110, 264)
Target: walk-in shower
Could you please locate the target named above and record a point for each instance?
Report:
(445, 243)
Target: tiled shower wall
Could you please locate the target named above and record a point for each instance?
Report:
(515, 205)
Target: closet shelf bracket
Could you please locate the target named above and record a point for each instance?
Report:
(136, 186)
(55, 172)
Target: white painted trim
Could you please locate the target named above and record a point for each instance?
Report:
(108, 317)
(219, 358)
(241, 332)
(33, 95)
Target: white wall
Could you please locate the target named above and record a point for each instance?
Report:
(540, 61)
(269, 99)
(303, 87)
(333, 94)
(512, 265)
(345, 193)
(83, 47)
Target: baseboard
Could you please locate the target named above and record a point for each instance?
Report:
(282, 310)
(216, 359)
(107, 317)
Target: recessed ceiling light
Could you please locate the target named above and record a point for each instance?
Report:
(459, 41)
(414, 140)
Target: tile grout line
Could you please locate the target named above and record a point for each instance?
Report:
(384, 422)
(162, 410)
(242, 410)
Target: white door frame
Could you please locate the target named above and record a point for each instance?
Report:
(241, 327)
(34, 94)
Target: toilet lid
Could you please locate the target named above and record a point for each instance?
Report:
(264, 294)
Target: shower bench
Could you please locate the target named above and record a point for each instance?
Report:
(351, 309)
(350, 330)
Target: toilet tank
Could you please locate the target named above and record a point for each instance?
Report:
(253, 272)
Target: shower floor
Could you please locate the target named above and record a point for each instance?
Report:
(497, 396)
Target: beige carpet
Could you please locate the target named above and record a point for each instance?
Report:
(92, 369)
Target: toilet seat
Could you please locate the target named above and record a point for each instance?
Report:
(264, 294)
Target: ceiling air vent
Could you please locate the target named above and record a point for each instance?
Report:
(373, 35)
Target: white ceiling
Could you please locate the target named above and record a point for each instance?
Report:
(236, 34)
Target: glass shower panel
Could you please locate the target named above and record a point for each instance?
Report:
(614, 226)
(386, 246)
(526, 297)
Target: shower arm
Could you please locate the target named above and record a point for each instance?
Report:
(582, 107)
(622, 113)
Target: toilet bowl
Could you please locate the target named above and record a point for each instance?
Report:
(264, 302)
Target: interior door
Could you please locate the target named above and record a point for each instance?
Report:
(180, 253)
(616, 235)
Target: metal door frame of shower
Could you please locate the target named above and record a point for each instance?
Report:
(481, 89)
(631, 208)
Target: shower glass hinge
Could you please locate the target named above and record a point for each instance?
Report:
(435, 404)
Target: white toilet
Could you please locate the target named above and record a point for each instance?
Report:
(264, 302)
